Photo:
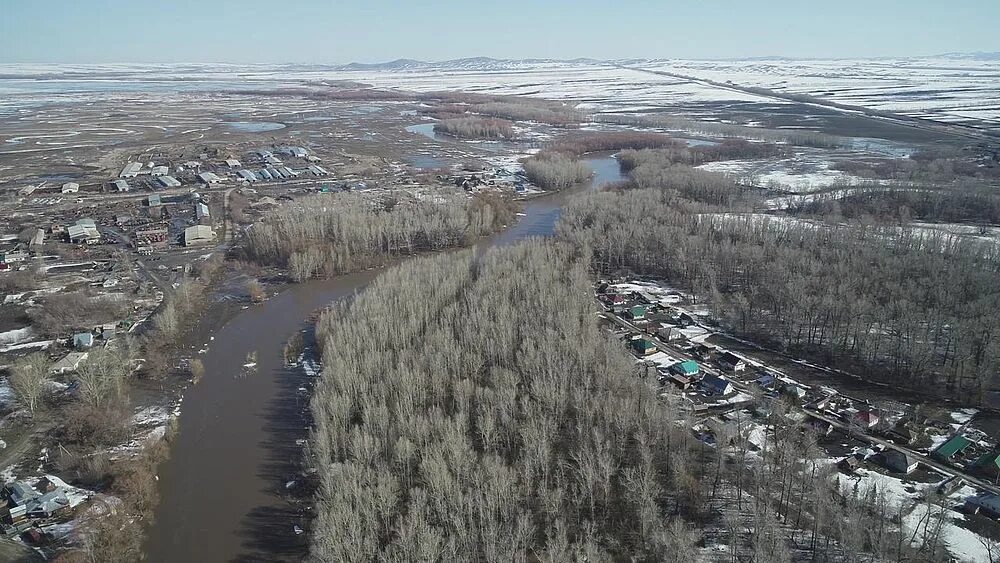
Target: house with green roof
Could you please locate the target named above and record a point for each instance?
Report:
(687, 367)
(643, 347)
(989, 463)
(636, 312)
(954, 446)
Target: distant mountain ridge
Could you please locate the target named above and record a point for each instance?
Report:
(489, 63)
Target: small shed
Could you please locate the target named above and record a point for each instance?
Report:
(83, 340)
(849, 464)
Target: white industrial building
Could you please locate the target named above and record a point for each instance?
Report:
(121, 185)
(168, 181)
(83, 233)
(209, 178)
(233, 163)
(131, 170)
(248, 175)
(70, 188)
(159, 171)
(198, 234)
(201, 211)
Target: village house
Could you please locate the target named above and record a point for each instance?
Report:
(703, 351)
(643, 347)
(24, 502)
(954, 446)
(766, 381)
(68, 363)
(989, 464)
(685, 320)
(731, 362)
(716, 385)
(819, 427)
(900, 433)
(897, 461)
(793, 391)
(13, 257)
(681, 381)
(636, 313)
(985, 503)
(865, 418)
(687, 368)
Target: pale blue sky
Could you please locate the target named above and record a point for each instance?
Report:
(338, 31)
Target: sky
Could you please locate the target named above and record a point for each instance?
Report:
(339, 31)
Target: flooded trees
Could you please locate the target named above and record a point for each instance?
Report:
(555, 171)
(476, 128)
(471, 409)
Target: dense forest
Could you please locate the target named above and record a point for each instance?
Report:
(471, 409)
(330, 234)
(889, 304)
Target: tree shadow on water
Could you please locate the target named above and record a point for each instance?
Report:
(269, 532)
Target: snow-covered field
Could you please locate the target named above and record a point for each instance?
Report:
(951, 89)
(954, 88)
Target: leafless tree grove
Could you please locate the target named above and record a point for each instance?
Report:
(470, 409)
(329, 234)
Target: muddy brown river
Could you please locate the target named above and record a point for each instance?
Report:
(224, 493)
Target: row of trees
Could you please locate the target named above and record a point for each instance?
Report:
(551, 113)
(923, 167)
(964, 204)
(902, 307)
(476, 128)
(716, 129)
(330, 234)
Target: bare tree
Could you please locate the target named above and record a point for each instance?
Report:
(30, 379)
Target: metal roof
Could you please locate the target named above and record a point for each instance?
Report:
(954, 445)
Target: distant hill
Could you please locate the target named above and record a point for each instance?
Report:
(470, 63)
